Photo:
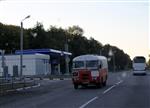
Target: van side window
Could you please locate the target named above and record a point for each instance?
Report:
(100, 64)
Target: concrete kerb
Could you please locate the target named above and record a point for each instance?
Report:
(16, 85)
(19, 89)
(53, 77)
(56, 79)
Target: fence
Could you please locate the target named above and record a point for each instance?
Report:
(13, 83)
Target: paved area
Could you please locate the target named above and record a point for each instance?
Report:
(123, 90)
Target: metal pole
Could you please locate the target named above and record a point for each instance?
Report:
(21, 46)
(21, 49)
(114, 61)
(100, 52)
(66, 58)
(3, 62)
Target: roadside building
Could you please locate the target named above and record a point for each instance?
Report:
(33, 64)
(56, 61)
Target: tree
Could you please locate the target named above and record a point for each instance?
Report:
(37, 37)
(75, 30)
(9, 37)
(57, 38)
(94, 47)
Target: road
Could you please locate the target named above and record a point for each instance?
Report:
(123, 90)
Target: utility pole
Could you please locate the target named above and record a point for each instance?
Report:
(21, 45)
(114, 62)
(67, 58)
(3, 61)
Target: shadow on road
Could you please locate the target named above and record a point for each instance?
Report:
(93, 87)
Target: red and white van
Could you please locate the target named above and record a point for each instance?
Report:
(90, 69)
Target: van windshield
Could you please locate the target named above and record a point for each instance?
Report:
(92, 64)
(78, 64)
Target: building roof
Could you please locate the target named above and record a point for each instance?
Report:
(44, 51)
(26, 56)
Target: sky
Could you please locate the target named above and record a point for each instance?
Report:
(122, 23)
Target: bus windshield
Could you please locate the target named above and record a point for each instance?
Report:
(78, 64)
(92, 64)
(139, 60)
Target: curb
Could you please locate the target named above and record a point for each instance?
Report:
(47, 79)
(24, 88)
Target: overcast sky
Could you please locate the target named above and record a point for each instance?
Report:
(122, 23)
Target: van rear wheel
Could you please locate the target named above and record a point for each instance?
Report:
(104, 83)
(75, 86)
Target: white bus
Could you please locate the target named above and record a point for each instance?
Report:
(139, 65)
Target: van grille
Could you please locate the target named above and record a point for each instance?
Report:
(85, 77)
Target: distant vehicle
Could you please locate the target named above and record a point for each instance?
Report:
(90, 69)
(139, 65)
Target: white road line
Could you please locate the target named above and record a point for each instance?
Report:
(109, 89)
(119, 82)
(112, 87)
(84, 105)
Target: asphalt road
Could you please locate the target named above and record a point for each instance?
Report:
(123, 90)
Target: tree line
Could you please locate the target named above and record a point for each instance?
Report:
(55, 38)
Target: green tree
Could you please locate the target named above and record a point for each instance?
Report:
(94, 47)
(37, 37)
(9, 37)
(75, 30)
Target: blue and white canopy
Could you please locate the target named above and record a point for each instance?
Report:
(45, 51)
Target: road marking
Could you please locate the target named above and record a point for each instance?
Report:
(84, 105)
(119, 82)
(109, 89)
(112, 87)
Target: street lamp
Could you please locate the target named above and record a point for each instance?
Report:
(21, 45)
(112, 54)
(66, 56)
